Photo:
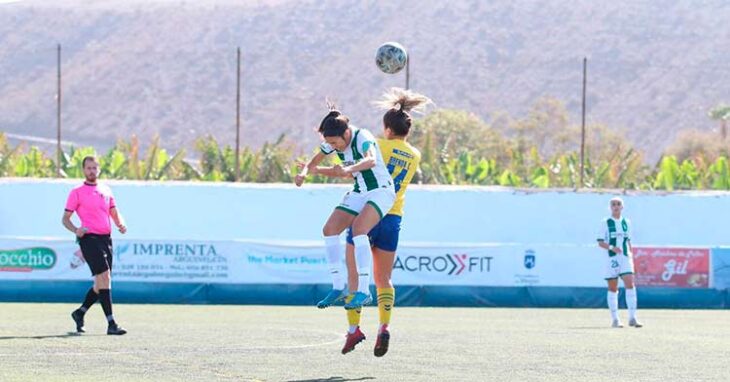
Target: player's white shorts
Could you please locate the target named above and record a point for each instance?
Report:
(618, 266)
(382, 199)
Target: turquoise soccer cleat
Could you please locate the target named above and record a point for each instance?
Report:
(331, 298)
(358, 300)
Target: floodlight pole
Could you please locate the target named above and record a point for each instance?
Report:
(583, 125)
(58, 113)
(238, 113)
(408, 72)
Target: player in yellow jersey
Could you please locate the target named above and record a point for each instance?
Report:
(361, 209)
(402, 160)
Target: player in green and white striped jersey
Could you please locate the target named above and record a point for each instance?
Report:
(614, 236)
(362, 208)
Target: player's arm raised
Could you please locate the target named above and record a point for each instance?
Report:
(332, 171)
(369, 160)
(309, 167)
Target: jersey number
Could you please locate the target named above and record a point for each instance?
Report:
(398, 179)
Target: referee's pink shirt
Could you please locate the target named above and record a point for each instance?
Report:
(92, 202)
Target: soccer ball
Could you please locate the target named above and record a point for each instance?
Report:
(391, 57)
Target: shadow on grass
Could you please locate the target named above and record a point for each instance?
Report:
(69, 334)
(333, 379)
(591, 327)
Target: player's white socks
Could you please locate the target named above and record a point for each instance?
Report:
(613, 304)
(364, 259)
(631, 302)
(334, 260)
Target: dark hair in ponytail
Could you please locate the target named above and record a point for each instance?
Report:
(334, 123)
(399, 103)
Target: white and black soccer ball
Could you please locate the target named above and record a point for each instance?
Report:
(391, 57)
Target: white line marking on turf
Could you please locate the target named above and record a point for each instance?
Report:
(196, 349)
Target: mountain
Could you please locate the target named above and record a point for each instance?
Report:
(169, 67)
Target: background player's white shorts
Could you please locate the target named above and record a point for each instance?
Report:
(382, 198)
(619, 265)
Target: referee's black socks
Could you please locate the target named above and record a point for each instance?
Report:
(105, 298)
(91, 298)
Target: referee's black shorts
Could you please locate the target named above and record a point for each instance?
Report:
(97, 251)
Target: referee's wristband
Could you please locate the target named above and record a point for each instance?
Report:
(611, 247)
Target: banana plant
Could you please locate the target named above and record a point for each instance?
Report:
(509, 179)
(540, 178)
(719, 174)
(7, 156)
(112, 164)
(668, 174)
(34, 164)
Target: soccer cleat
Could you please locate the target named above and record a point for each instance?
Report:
(331, 298)
(381, 344)
(353, 339)
(78, 318)
(115, 330)
(635, 323)
(358, 300)
(616, 324)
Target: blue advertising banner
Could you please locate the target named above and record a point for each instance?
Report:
(721, 268)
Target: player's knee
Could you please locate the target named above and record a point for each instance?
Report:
(104, 279)
(329, 230)
(359, 229)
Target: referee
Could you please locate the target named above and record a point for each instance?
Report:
(94, 204)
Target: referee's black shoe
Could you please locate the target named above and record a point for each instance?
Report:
(78, 317)
(115, 330)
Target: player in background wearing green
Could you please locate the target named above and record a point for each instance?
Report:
(362, 208)
(614, 236)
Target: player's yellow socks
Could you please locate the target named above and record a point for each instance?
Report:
(386, 300)
(353, 315)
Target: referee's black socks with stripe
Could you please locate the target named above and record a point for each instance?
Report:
(91, 298)
(105, 298)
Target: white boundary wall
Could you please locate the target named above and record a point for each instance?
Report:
(434, 214)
